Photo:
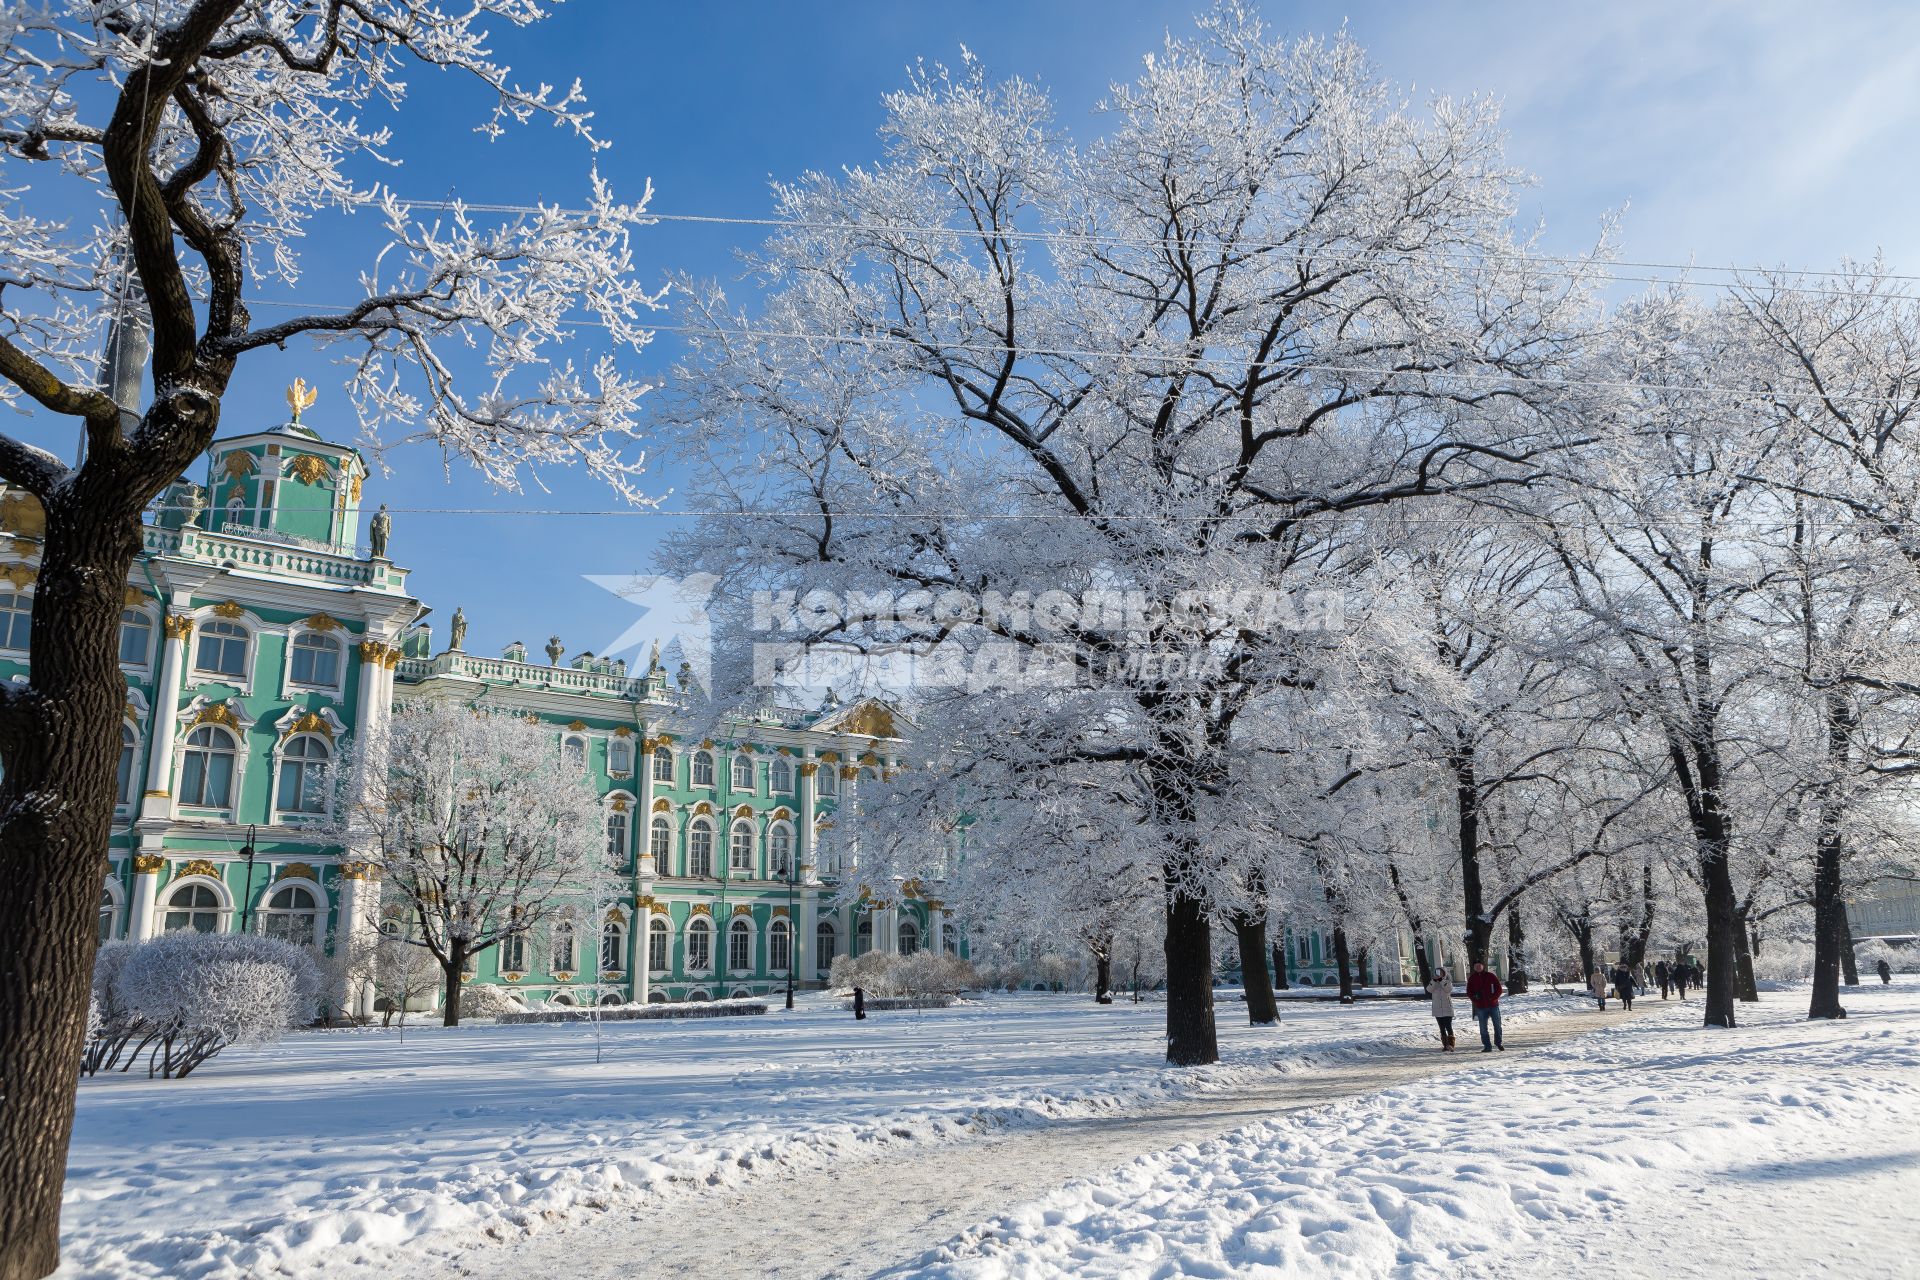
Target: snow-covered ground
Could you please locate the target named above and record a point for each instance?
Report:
(336, 1147)
(1654, 1148)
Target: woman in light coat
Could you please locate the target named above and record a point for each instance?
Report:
(1597, 983)
(1441, 989)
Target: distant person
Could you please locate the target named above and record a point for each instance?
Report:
(1623, 987)
(1483, 993)
(1885, 971)
(859, 1005)
(1597, 983)
(1680, 978)
(1441, 989)
(1663, 976)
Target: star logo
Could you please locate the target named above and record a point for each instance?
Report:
(673, 617)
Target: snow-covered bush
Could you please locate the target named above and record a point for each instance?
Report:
(190, 995)
(1784, 962)
(484, 1000)
(923, 973)
(1867, 955)
(111, 1025)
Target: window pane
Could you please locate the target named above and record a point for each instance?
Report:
(136, 637)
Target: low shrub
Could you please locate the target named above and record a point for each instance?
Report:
(883, 974)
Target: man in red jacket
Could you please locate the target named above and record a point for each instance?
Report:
(1484, 990)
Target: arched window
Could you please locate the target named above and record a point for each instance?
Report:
(123, 773)
(109, 915)
(780, 850)
(613, 947)
(316, 661)
(828, 780)
(863, 936)
(193, 906)
(560, 949)
(740, 847)
(699, 946)
(16, 621)
(657, 938)
(222, 650)
(909, 937)
(610, 998)
(206, 768)
(573, 752)
(824, 945)
(1306, 950)
(700, 848)
(703, 768)
(136, 638)
(780, 774)
(619, 757)
(303, 775)
(617, 836)
(742, 772)
(740, 947)
(513, 953)
(291, 915)
(663, 764)
(779, 947)
(660, 843)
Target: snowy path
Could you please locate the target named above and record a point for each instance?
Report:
(868, 1213)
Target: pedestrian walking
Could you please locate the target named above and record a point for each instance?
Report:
(1680, 978)
(1664, 976)
(1885, 971)
(1597, 983)
(1623, 987)
(1441, 989)
(859, 1005)
(1483, 993)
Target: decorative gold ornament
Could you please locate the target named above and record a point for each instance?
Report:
(663, 805)
(563, 975)
(781, 913)
(133, 599)
(357, 871)
(871, 720)
(392, 659)
(701, 909)
(831, 757)
(782, 812)
(371, 651)
(512, 977)
(576, 725)
(849, 772)
(239, 464)
(308, 468)
(20, 575)
(216, 713)
(620, 803)
(323, 622)
(623, 732)
(22, 514)
(702, 807)
(200, 867)
(616, 916)
(178, 626)
(156, 795)
(228, 609)
(786, 751)
(742, 909)
(359, 479)
(744, 811)
(309, 723)
(147, 864)
(808, 770)
(300, 397)
(296, 871)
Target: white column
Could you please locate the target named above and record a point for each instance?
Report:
(638, 934)
(886, 930)
(166, 716)
(937, 926)
(146, 884)
(803, 849)
(353, 924)
(804, 968)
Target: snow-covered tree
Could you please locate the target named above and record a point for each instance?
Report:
(186, 996)
(162, 163)
(1179, 358)
(480, 830)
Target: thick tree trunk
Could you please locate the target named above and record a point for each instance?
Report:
(451, 970)
(1722, 933)
(1103, 976)
(1414, 924)
(1849, 968)
(1582, 930)
(1250, 931)
(1280, 959)
(1344, 960)
(1191, 1039)
(1466, 795)
(1743, 960)
(60, 744)
(1636, 955)
(1516, 951)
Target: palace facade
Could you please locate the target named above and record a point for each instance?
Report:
(257, 638)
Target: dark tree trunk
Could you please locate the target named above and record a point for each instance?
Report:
(1344, 960)
(60, 743)
(1466, 795)
(1414, 924)
(1636, 952)
(1849, 970)
(1103, 975)
(1829, 907)
(451, 970)
(1250, 932)
(1363, 969)
(1743, 961)
(1581, 927)
(1191, 1038)
(1280, 960)
(1516, 951)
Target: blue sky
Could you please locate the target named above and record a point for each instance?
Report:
(1729, 133)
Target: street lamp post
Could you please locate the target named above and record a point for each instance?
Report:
(246, 911)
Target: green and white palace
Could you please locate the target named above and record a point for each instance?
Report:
(257, 637)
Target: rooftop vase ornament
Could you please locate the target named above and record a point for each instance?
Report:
(554, 650)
